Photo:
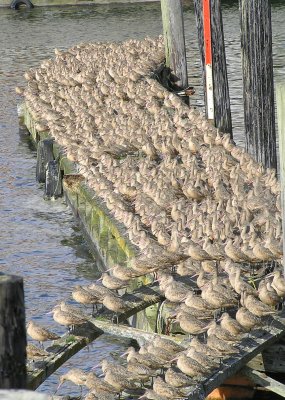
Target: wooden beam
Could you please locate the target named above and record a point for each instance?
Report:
(126, 331)
(258, 85)
(280, 99)
(263, 380)
(13, 341)
(173, 29)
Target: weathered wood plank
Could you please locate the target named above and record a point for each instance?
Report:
(173, 29)
(263, 380)
(12, 333)
(222, 108)
(126, 331)
(270, 360)
(280, 99)
(258, 85)
(250, 347)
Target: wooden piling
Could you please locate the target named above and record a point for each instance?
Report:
(280, 99)
(173, 29)
(258, 89)
(53, 185)
(222, 108)
(44, 155)
(12, 333)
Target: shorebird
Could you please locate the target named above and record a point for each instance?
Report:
(230, 324)
(146, 359)
(75, 375)
(92, 382)
(202, 359)
(191, 367)
(220, 345)
(267, 294)
(278, 283)
(255, 306)
(85, 297)
(34, 352)
(167, 344)
(192, 325)
(66, 318)
(220, 333)
(166, 390)
(39, 333)
(175, 378)
(247, 320)
(113, 283)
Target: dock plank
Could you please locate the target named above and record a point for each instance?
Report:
(250, 347)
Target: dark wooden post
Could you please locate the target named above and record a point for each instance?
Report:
(222, 108)
(173, 29)
(12, 333)
(44, 155)
(258, 85)
(280, 99)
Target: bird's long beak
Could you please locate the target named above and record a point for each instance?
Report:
(100, 279)
(124, 354)
(96, 366)
(49, 313)
(57, 389)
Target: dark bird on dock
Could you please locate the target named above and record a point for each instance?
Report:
(39, 333)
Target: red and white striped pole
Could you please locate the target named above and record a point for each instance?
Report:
(208, 59)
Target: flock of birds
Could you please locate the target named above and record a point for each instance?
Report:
(188, 197)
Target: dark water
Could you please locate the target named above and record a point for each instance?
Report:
(39, 239)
